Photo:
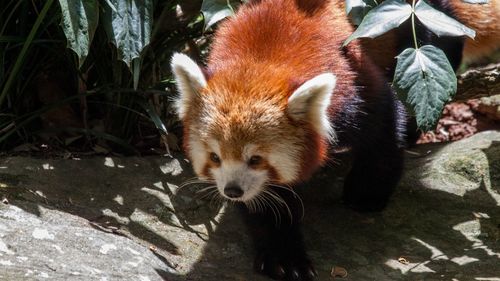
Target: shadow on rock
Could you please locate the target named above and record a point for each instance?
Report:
(441, 224)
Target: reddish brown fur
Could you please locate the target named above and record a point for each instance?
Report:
(258, 58)
(485, 20)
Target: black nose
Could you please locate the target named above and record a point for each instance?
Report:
(233, 190)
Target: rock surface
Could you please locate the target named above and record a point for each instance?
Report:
(128, 219)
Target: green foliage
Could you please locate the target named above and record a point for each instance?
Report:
(424, 78)
(440, 23)
(388, 15)
(62, 82)
(128, 25)
(79, 22)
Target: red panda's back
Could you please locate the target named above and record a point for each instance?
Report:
(279, 44)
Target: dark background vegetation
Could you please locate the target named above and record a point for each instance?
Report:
(51, 104)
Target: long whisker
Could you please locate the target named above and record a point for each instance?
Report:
(203, 196)
(295, 194)
(206, 188)
(280, 201)
(272, 206)
(195, 181)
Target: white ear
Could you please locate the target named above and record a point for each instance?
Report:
(310, 103)
(189, 79)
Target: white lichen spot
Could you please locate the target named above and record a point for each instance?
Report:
(106, 248)
(28, 273)
(172, 167)
(118, 199)
(120, 166)
(6, 262)
(108, 161)
(40, 233)
(22, 259)
(144, 278)
(3, 167)
(47, 166)
(43, 275)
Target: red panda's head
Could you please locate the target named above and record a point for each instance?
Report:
(245, 137)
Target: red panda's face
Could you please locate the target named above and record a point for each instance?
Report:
(244, 143)
(243, 149)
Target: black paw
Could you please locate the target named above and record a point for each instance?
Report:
(289, 266)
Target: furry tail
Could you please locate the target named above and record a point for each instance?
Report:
(485, 20)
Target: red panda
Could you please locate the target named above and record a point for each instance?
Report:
(278, 93)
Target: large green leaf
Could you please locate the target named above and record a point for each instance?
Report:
(381, 19)
(79, 22)
(216, 10)
(128, 24)
(440, 23)
(425, 79)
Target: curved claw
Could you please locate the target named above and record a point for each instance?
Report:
(286, 268)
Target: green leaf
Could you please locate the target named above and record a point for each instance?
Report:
(216, 10)
(357, 9)
(439, 23)
(128, 24)
(425, 79)
(381, 19)
(79, 22)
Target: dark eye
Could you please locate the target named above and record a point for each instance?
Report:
(255, 160)
(214, 158)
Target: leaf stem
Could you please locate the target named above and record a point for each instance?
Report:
(413, 24)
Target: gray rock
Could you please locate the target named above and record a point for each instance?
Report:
(128, 219)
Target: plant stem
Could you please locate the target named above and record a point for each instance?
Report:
(413, 24)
